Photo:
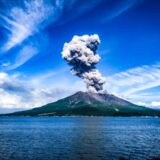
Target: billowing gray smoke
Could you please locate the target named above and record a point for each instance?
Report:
(81, 54)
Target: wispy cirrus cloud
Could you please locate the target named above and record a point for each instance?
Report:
(146, 98)
(33, 16)
(111, 9)
(22, 22)
(133, 83)
(136, 79)
(36, 45)
(121, 7)
(26, 53)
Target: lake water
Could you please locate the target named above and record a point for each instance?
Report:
(79, 138)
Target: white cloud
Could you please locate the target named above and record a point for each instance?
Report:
(155, 104)
(35, 15)
(32, 16)
(133, 83)
(25, 54)
(3, 76)
(17, 92)
(135, 79)
(123, 6)
(9, 100)
(24, 22)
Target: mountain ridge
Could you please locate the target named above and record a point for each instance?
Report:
(89, 104)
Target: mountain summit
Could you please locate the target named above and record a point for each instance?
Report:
(89, 104)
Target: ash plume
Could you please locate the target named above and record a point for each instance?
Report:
(81, 54)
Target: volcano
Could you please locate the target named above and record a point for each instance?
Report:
(89, 104)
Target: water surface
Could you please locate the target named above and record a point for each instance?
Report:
(74, 138)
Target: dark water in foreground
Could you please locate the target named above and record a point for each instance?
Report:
(74, 138)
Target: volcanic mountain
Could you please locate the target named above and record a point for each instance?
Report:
(89, 104)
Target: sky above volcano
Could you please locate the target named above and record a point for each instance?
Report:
(32, 35)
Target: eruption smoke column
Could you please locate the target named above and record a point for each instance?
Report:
(80, 53)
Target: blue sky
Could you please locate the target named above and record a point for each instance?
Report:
(32, 35)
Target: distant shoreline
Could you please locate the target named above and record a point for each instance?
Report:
(79, 116)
